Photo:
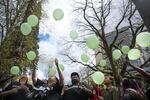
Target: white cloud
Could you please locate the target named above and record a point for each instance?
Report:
(62, 27)
(58, 30)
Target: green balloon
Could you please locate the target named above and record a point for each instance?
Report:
(101, 68)
(61, 67)
(85, 58)
(58, 14)
(98, 77)
(125, 49)
(15, 70)
(93, 42)
(52, 71)
(134, 54)
(143, 39)
(116, 54)
(32, 20)
(25, 28)
(73, 34)
(31, 55)
(103, 63)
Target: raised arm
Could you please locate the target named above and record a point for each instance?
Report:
(61, 77)
(8, 92)
(34, 77)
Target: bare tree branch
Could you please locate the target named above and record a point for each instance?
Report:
(76, 61)
(138, 69)
(121, 20)
(95, 29)
(147, 61)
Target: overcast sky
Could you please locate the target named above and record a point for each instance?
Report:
(52, 34)
(51, 37)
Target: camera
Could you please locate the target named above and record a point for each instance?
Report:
(39, 93)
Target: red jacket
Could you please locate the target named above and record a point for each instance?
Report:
(96, 93)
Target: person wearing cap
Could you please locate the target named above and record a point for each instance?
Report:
(17, 90)
(55, 85)
(77, 90)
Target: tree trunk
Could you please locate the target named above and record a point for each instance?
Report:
(115, 73)
(7, 16)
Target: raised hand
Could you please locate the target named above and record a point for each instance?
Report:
(82, 87)
(56, 61)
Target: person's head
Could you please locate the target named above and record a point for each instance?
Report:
(107, 80)
(52, 80)
(75, 78)
(23, 80)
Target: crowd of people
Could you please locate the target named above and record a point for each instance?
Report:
(54, 89)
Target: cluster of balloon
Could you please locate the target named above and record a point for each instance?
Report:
(84, 57)
(143, 39)
(52, 71)
(134, 54)
(26, 27)
(116, 54)
(125, 49)
(73, 35)
(93, 42)
(98, 77)
(103, 63)
(15, 70)
(58, 14)
(31, 55)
